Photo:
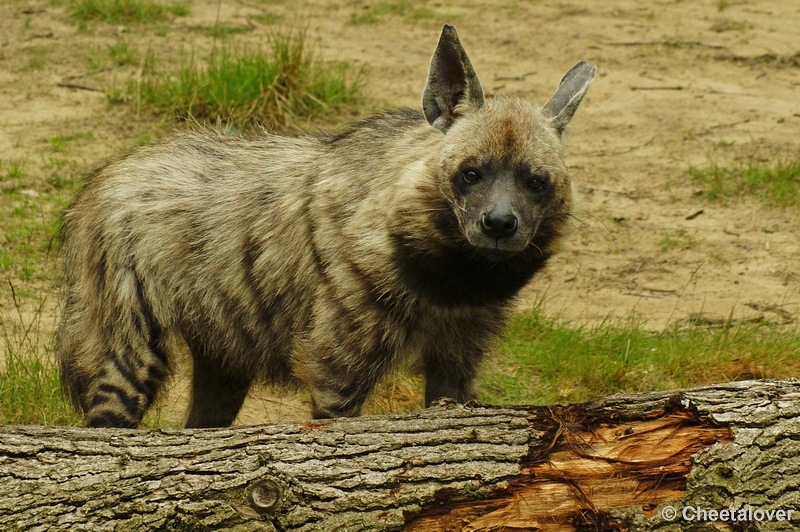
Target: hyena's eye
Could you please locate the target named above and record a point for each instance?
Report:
(536, 183)
(471, 176)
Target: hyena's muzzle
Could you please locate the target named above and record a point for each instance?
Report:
(503, 209)
(499, 220)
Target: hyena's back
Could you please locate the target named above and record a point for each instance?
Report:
(232, 244)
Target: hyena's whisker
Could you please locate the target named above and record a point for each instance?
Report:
(576, 216)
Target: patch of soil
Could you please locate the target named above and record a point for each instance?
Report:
(679, 84)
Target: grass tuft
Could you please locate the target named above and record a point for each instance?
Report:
(30, 390)
(14, 168)
(125, 11)
(121, 54)
(273, 88)
(680, 239)
(777, 183)
(266, 19)
(38, 57)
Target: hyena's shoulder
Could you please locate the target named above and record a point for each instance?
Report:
(387, 135)
(390, 123)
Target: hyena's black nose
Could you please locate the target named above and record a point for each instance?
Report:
(499, 223)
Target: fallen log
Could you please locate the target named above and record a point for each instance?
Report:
(719, 457)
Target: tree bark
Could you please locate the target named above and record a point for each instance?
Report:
(616, 463)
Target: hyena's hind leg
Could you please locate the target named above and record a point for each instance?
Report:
(218, 392)
(112, 377)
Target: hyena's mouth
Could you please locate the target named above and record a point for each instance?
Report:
(499, 244)
(496, 247)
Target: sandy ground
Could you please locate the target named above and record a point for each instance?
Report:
(679, 83)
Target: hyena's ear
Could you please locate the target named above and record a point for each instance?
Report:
(569, 95)
(453, 86)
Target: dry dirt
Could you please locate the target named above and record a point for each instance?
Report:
(679, 83)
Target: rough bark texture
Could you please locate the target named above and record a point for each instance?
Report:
(612, 464)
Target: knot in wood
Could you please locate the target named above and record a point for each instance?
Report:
(266, 496)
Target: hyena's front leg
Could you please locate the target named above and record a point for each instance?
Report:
(450, 374)
(340, 373)
(336, 389)
(341, 355)
(452, 355)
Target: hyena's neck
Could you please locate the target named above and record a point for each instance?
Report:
(450, 276)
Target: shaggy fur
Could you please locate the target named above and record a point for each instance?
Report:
(322, 259)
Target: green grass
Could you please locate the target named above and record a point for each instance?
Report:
(275, 87)
(266, 19)
(38, 57)
(13, 168)
(58, 143)
(718, 257)
(94, 57)
(30, 391)
(776, 183)
(121, 54)
(679, 239)
(28, 233)
(125, 11)
(30, 216)
(542, 360)
(30, 210)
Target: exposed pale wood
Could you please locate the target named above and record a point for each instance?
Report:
(611, 464)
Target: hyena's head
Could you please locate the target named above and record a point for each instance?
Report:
(501, 167)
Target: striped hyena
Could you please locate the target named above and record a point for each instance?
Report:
(314, 259)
